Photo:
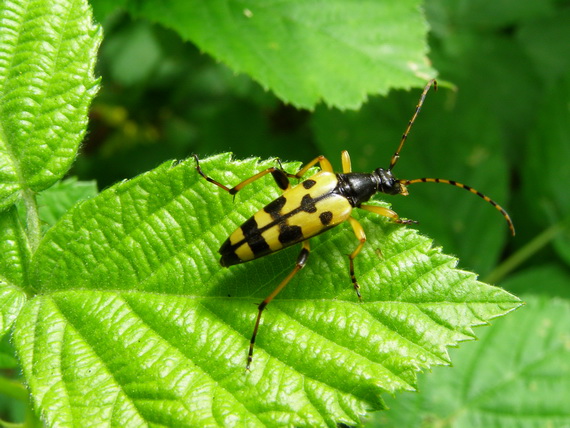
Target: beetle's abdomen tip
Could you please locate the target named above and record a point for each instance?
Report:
(229, 258)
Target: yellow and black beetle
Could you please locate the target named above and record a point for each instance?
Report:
(316, 205)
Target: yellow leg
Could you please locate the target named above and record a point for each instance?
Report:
(301, 261)
(346, 165)
(359, 232)
(278, 174)
(321, 160)
(387, 213)
(361, 236)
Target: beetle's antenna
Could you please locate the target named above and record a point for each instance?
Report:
(396, 155)
(470, 189)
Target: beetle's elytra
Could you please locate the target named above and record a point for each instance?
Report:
(316, 205)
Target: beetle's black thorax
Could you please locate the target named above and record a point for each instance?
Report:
(359, 187)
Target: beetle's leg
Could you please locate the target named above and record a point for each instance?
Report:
(387, 213)
(301, 261)
(346, 165)
(321, 160)
(288, 174)
(279, 176)
(359, 232)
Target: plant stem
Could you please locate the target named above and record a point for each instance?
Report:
(32, 219)
(525, 253)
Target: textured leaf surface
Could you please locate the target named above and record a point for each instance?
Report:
(58, 199)
(14, 261)
(517, 374)
(307, 51)
(135, 317)
(47, 54)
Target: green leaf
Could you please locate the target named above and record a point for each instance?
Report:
(47, 55)
(549, 280)
(14, 261)
(7, 358)
(337, 52)
(137, 323)
(58, 199)
(517, 374)
(545, 167)
(451, 16)
(545, 41)
(135, 53)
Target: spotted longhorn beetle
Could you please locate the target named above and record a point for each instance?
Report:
(316, 205)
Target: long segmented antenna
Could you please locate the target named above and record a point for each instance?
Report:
(470, 189)
(396, 155)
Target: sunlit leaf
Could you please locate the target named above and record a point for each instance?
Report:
(47, 55)
(517, 374)
(137, 321)
(338, 52)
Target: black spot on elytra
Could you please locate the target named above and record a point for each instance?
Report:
(258, 245)
(308, 204)
(307, 184)
(229, 257)
(326, 218)
(253, 237)
(274, 208)
(289, 234)
(250, 227)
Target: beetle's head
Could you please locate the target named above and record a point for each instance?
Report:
(387, 183)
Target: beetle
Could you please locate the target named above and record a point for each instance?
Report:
(317, 204)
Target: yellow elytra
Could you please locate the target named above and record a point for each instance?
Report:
(316, 205)
(300, 213)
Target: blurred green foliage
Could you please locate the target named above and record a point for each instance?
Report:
(498, 122)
